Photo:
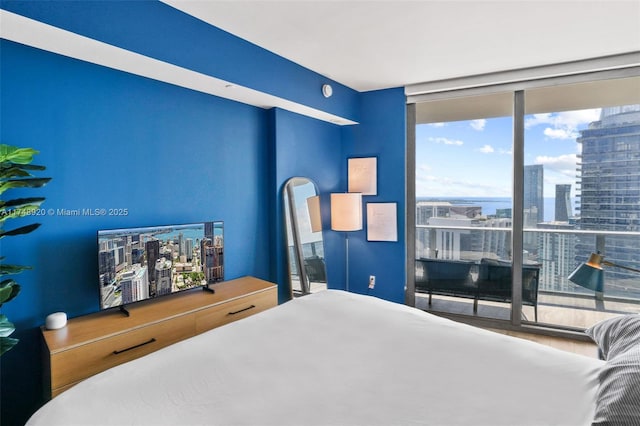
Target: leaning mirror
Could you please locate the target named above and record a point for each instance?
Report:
(305, 249)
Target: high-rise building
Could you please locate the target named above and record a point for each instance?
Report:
(209, 230)
(119, 256)
(558, 252)
(163, 277)
(188, 249)
(444, 242)
(134, 285)
(609, 183)
(533, 204)
(107, 267)
(533, 194)
(137, 256)
(211, 259)
(563, 203)
(152, 252)
(180, 244)
(504, 213)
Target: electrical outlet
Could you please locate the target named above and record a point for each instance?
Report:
(372, 281)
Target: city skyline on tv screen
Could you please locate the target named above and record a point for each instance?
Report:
(142, 263)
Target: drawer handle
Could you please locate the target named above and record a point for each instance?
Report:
(136, 346)
(242, 310)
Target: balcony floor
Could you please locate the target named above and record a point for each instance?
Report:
(553, 309)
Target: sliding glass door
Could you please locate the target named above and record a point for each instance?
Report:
(515, 189)
(463, 202)
(582, 155)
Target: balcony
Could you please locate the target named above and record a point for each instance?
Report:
(556, 252)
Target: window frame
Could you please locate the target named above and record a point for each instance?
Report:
(517, 82)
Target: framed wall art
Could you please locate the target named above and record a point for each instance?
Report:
(362, 175)
(382, 222)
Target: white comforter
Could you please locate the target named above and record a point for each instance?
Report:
(335, 358)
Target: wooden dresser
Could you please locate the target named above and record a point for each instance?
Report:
(93, 343)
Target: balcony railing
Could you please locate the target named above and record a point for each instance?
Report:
(557, 302)
(558, 256)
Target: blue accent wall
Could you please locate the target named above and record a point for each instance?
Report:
(382, 134)
(305, 147)
(171, 155)
(113, 140)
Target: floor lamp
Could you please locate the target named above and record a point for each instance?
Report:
(346, 216)
(591, 274)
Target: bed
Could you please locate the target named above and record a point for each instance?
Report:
(338, 358)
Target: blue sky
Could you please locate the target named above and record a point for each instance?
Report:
(473, 158)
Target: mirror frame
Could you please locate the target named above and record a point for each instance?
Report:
(290, 214)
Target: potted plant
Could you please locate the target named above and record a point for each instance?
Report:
(15, 172)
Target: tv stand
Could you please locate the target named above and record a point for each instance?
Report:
(208, 289)
(124, 311)
(93, 343)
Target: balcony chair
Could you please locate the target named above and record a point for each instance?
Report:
(446, 278)
(494, 283)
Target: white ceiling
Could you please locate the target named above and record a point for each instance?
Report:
(376, 44)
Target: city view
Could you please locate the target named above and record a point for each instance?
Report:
(581, 194)
(141, 263)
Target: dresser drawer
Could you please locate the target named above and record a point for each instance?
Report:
(78, 363)
(233, 310)
(92, 343)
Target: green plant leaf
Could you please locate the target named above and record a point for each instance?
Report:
(9, 289)
(6, 327)
(19, 231)
(23, 183)
(31, 167)
(17, 155)
(18, 212)
(15, 172)
(7, 343)
(8, 165)
(12, 170)
(20, 202)
(12, 269)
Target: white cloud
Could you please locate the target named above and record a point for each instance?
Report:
(536, 119)
(564, 125)
(560, 133)
(563, 164)
(446, 141)
(437, 124)
(478, 124)
(486, 149)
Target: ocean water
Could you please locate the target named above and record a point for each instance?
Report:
(491, 204)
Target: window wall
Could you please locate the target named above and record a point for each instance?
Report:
(584, 141)
(463, 201)
(514, 189)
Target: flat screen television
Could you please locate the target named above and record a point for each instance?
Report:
(137, 264)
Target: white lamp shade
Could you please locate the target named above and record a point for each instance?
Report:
(346, 211)
(313, 205)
